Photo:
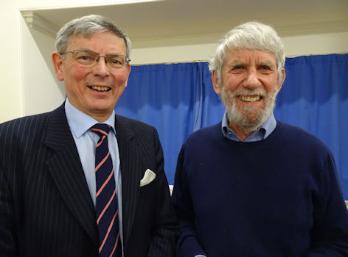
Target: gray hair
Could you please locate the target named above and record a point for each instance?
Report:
(250, 35)
(86, 26)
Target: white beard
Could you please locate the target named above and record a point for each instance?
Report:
(248, 119)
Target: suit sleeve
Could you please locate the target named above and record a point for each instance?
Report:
(8, 240)
(188, 244)
(330, 229)
(164, 236)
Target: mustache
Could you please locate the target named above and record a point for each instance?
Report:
(247, 91)
(269, 96)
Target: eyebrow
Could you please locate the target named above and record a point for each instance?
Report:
(268, 63)
(89, 50)
(234, 63)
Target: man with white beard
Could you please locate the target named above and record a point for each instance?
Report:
(252, 186)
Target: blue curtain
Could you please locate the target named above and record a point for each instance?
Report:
(315, 98)
(178, 99)
(174, 98)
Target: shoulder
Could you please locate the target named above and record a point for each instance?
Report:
(32, 127)
(292, 131)
(16, 135)
(204, 136)
(33, 121)
(132, 123)
(27, 124)
(124, 124)
(206, 132)
(301, 139)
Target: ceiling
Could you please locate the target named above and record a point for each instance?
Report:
(176, 22)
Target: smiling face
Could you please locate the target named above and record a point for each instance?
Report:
(93, 90)
(248, 88)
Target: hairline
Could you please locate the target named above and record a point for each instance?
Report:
(252, 36)
(86, 27)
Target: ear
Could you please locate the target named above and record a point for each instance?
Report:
(282, 78)
(216, 83)
(57, 61)
(129, 68)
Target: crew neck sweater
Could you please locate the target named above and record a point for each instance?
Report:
(278, 197)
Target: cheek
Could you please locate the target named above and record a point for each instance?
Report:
(272, 85)
(75, 73)
(79, 73)
(231, 84)
(121, 77)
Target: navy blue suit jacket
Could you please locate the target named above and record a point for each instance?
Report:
(45, 205)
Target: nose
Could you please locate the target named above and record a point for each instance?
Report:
(252, 79)
(101, 68)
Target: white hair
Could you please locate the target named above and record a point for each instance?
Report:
(250, 35)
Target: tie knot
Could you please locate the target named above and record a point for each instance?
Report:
(101, 129)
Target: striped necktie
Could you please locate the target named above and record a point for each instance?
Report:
(106, 196)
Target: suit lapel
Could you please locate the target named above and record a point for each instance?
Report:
(66, 170)
(130, 165)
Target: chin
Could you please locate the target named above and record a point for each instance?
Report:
(248, 117)
(101, 109)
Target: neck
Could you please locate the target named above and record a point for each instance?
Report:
(241, 132)
(100, 118)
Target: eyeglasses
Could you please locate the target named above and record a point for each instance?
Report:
(90, 58)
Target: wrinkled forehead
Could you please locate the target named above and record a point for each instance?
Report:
(106, 40)
(235, 55)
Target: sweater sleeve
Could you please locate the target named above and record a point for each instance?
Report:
(330, 228)
(188, 244)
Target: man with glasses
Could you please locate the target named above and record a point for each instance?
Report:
(80, 180)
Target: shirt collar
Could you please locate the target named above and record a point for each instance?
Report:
(262, 133)
(79, 122)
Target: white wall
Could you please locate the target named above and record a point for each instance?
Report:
(317, 44)
(11, 95)
(28, 84)
(41, 91)
(294, 46)
(27, 93)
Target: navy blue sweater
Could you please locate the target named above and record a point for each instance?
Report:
(273, 198)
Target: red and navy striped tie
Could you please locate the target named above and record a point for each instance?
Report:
(106, 196)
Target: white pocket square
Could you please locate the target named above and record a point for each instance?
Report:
(149, 176)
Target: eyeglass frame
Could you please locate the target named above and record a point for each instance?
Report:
(96, 57)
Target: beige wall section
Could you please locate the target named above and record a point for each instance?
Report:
(28, 85)
(24, 89)
(11, 102)
(294, 46)
(317, 44)
(41, 91)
